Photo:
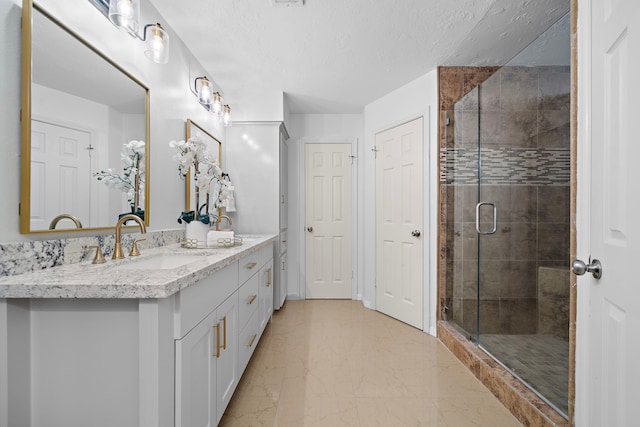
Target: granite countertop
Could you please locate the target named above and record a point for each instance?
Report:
(154, 277)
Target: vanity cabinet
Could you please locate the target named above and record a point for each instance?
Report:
(217, 338)
(130, 359)
(206, 366)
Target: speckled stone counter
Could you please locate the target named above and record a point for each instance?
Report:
(124, 279)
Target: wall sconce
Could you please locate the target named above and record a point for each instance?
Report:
(226, 116)
(216, 106)
(125, 14)
(203, 90)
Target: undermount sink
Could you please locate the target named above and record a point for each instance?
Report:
(161, 262)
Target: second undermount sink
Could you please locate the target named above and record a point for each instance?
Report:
(161, 262)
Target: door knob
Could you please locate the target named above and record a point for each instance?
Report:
(594, 267)
(309, 229)
(415, 233)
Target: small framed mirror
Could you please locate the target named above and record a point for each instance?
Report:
(193, 200)
(85, 123)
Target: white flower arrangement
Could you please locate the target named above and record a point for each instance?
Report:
(131, 180)
(193, 155)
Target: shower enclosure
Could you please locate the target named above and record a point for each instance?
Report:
(506, 173)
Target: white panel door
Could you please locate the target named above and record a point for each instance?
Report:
(399, 217)
(612, 373)
(227, 370)
(328, 220)
(61, 175)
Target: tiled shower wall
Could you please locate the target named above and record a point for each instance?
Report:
(521, 116)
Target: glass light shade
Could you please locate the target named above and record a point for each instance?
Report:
(156, 44)
(125, 14)
(216, 107)
(204, 90)
(226, 116)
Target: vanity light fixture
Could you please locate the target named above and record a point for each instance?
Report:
(216, 106)
(210, 100)
(156, 40)
(203, 91)
(226, 116)
(125, 14)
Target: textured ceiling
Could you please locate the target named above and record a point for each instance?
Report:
(336, 56)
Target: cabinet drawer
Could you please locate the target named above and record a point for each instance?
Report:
(248, 299)
(249, 337)
(198, 300)
(248, 266)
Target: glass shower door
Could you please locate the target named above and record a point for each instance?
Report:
(522, 219)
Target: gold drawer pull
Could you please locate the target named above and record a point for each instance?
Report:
(253, 338)
(251, 265)
(252, 299)
(217, 328)
(268, 278)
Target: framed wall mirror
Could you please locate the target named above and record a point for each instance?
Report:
(85, 132)
(193, 200)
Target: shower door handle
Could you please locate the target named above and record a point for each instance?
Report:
(495, 218)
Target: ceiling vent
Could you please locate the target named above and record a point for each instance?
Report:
(287, 3)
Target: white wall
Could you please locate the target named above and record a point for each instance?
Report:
(171, 104)
(418, 98)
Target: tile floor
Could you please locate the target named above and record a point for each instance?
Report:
(540, 360)
(336, 363)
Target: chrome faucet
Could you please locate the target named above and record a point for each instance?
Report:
(117, 250)
(220, 218)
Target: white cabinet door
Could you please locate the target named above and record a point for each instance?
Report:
(196, 375)
(227, 364)
(266, 293)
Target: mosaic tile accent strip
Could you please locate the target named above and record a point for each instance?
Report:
(542, 166)
(26, 257)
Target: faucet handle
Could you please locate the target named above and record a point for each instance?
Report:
(99, 257)
(134, 249)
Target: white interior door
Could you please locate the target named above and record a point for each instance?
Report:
(60, 174)
(609, 320)
(399, 217)
(328, 220)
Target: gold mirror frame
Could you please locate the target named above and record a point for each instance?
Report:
(193, 129)
(28, 7)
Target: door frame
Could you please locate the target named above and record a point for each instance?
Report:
(356, 293)
(583, 210)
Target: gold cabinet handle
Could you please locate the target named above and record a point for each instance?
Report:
(217, 328)
(253, 338)
(224, 328)
(252, 299)
(268, 278)
(251, 265)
